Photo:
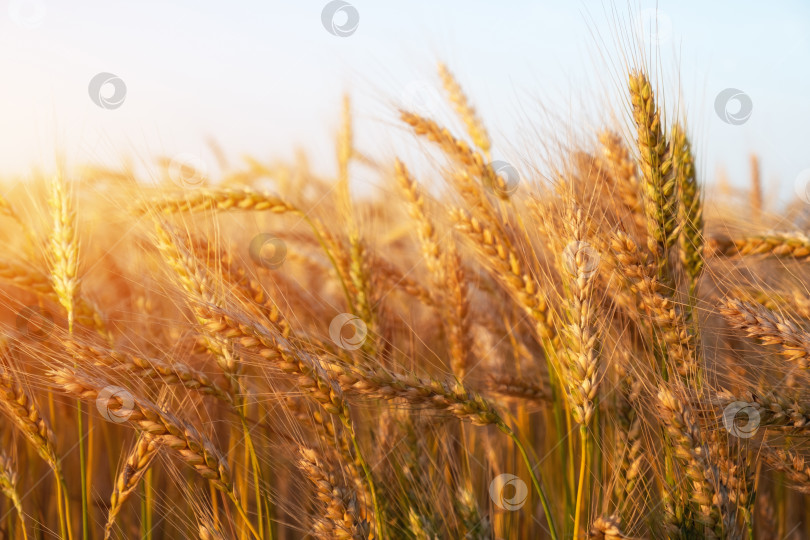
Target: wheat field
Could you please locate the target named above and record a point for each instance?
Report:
(598, 352)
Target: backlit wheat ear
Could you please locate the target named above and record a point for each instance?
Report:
(394, 278)
(446, 270)
(135, 466)
(795, 302)
(221, 262)
(25, 277)
(25, 414)
(660, 190)
(459, 151)
(151, 369)
(465, 111)
(217, 200)
(455, 400)
(497, 252)
(165, 428)
(425, 228)
(333, 434)
(345, 151)
(259, 340)
(63, 246)
(30, 279)
(196, 282)
(419, 527)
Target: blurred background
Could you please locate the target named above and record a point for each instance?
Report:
(265, 78)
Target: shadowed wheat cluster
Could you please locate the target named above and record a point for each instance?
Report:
(593, 352)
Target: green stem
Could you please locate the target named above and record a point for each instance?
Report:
(535, 481)
(148, 482)
(83, 471)
(331, 258)
(61, 504)
(82, 458)
(583, 436)
(375, 504)
(243, 513)
(257, 475)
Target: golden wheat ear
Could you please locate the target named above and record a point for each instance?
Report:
(129, 477)
(769, 328)
(63, 246)
(341, 518)
(465, 110)
(8, 487)
(658, 183)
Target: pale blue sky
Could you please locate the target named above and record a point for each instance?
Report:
(264, 77)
